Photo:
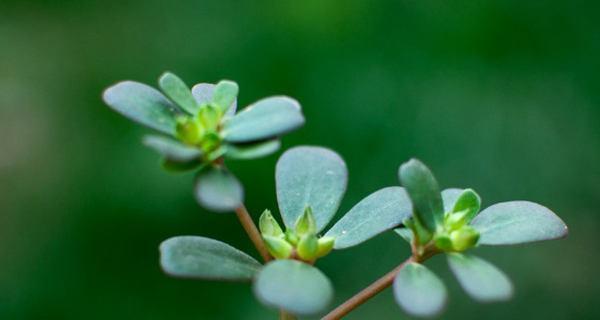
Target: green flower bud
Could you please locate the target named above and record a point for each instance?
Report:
(210, 142)
(325, 246)
(464, 238)
(268, 225)
(189, 131)
(306, 223)
(291, 237)
(423, 235)
(443, 242)
(455, 220)
(468, 201)
(278, 248)
(308, 247)
(209, 116)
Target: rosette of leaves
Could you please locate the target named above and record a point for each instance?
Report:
(449, 222)
(201, 129)
(311, 182)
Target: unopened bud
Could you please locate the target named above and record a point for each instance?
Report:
(308, 247)
(278, 247)
(291, 237)
(443, 242)
(306, 223)
(189, 131)
(268, 225)
(325, 246)
(464, 238)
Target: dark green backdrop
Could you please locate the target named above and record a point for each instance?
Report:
(500, 96)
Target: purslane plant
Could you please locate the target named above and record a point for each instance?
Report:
(204, 131)
(449, 222)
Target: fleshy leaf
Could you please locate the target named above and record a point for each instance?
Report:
(225, 94)
(174, 88)
(310, 176)
(468, 201)
(218, 190)
(204, 258)
(419, 291)
(480, 279)
(378, 212)
(252, 151)
(424, 192)
(203, 93)
(143, 104)
(264, 119)
(294, 286)
(171, 149)
(449, 197)
(405, 233)
(517, 222)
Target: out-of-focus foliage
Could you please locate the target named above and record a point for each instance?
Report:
(507, 91)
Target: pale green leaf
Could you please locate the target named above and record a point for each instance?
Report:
(218, 190)
(174, 88)
(406, 234)
(480, 279)
(225, 94)
(378, 212)
(419, 291)
(517, 222)
(172, 150)
(265, 119)
(203, 93)
(143, 104)
(424, 192)
(310, 176)
(294, 286)
(204, 258)
(253, 150)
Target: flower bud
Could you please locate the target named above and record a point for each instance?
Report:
(443, 242)
(464, 238)
(325, 245)
(455, 220)
(189, 131)
(209, 116)
(291, 237)
(278, 248)
(306, 223)
(268, 225)
(308, 247)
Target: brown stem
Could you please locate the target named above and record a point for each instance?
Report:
(286, 316)
(366, 294)
(252, 232)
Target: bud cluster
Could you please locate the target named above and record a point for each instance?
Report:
(301, 242)
(201, 130)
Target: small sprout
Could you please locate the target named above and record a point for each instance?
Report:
(308, 247)
(306, 223)
(278, 248)
(268, 225)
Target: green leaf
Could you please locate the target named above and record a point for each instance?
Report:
(310, 176)
(406, 234)
(252, 151)
(468, 201)
(142, 104)
(517, 222)
(449, 197)
(424, 192)
(203, 93)
(174, 88)
(204, 258)
(294, 286)
(378, 212)
(218, 190)
(480, 279)
(264, 119)
(225, 94)
(419, 291)
(171, 149)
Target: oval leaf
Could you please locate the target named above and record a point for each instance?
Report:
(178, 92)
(419, 291)
(172, 150)
(218, 190)
(480, 279)
(424, 192)
(378, 212)
(517, 222)
(142, 104)
(294, 286)
(264, 119)
(225, 94)
(449, 197)
(252, 151)
(310, 176)
(203, 93)
(204, 258)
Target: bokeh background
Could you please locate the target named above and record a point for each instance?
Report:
(500, 96)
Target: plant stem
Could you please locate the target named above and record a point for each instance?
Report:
(252, 232)
(286, 316)
(366, 294)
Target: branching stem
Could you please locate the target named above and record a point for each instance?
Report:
(252, 232)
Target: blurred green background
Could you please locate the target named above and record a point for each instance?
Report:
(500, 96)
